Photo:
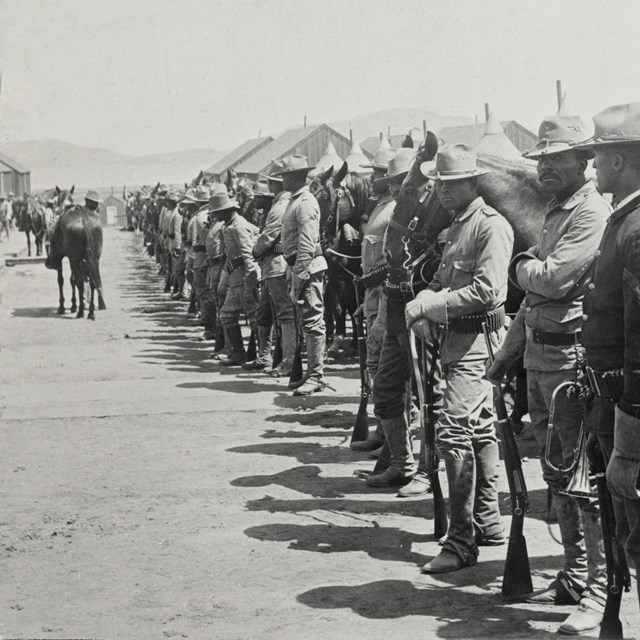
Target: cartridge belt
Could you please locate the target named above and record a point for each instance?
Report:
(215, 261)
(236, 262)
(472, 323)
(606, 384)
(200, 248)
(399, 292)
(374, 277)
(293, 255)
(552, 339)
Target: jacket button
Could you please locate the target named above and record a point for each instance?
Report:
(443, 265)
(597, 253)
(544, 231)
(528, 309)
(585, 317)
(591, 286)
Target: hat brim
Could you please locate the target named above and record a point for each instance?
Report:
(98, 201)
(373, 165)
(451, 177)
(554, 149)
(594, 143)
(227, 207)
(383, 180)
(291, 171)
(398, 176)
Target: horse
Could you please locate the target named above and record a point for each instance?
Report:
(77, 236)
(343, 199)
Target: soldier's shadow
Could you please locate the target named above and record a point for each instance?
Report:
(463, 614)
(303, 452)
(329, 418)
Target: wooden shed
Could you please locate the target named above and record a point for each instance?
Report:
(14, 178)
(113, 211)
(236, 156)
(308, 141)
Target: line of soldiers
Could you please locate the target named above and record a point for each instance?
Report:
(578, 327)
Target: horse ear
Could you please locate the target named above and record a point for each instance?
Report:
(327, 174)
(430, 146)
(342, 172)
(57, 189)
(72, 189)
(407, 143)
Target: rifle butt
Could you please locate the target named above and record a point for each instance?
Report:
(296, 368)
(516, 580)
(611, 627)
(251, 347)
(277, 348)
(361, 426)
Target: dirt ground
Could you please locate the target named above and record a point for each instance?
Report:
(147, 494)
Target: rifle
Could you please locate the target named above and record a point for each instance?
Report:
(297, 374)
(251, 346)
(361, 426)
(277, 336)
(617, 569)
(424, 385)
(516, 580)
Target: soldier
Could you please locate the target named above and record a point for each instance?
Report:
(212, 303)
(394, 367)
(274, 296)
(302, 251)
(374, 272)
(468, 289)
(555, 274)
(200, 229)
(611, 319)
(242, 270)
(4, 215)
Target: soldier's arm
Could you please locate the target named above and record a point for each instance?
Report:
(244, 238)
(177, 230)
(570, 258)
(308, 221)
(271, 231)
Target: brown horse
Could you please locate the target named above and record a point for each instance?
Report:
(77, 236)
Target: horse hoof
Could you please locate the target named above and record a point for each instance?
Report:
(60, 311)
(74, 308)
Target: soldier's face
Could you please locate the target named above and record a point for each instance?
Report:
(456, 195)
(561, 174)
(604, 166)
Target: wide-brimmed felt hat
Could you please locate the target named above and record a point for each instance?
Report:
(92, 195)
(261, 189)
(558, 134)
(619, 124)
(380, 159)
(455, 162)
(198, 195)
(172, 195)
(219, 200)
(294, 164)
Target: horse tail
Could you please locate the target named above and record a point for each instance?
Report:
(91, 262)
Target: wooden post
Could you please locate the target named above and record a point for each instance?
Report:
(388, 131)
(559, 92)
(259, 133)
(424, 128)
(381, 135)
(351, 136)
(486, 111)
(305, 122)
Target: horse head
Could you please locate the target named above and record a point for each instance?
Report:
(64, 199)
(325, 187)
(417, 220)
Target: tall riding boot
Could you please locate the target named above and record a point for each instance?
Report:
(374, 441)
(237, 355)
(572, 537)
(403, 466)
(486, 508)
(315, 358)
(288, 330)
(459, 549)
(263, 358)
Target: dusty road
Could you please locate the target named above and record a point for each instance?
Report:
(146, 494)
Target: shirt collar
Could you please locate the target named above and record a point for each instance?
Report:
(471, 209)
(627, 200)
(300, 191)
(587, 189)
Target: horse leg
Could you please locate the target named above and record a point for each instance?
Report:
(92, 288)
(74, 306)
(28, 242)
(80, 287)
(98, 285)
(61, 290)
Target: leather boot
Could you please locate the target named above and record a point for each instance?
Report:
(283, 370)
(315, 356)
(402, 467)
(486, 507)
(572, 537)
(582, 620)
(237, 355)
(263, 359)
(459, 548)
(374, 441)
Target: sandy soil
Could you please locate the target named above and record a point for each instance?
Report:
(146, 494)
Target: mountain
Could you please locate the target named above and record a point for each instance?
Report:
(56, 162)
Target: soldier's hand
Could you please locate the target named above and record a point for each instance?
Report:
(422, 329)
(176, 253)
(359, 312)
(497, 370)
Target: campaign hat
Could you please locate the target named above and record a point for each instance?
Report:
(455, 162)
(294, 164)
(619, 124)
(219, 200)
(93, 195)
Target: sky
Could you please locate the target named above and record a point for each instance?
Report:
(150, 76)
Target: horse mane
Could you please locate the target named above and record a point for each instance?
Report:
(360, 188)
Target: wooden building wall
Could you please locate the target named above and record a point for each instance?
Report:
(14, 182)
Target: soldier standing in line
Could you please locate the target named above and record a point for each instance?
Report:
(212, 301)
(555, 274)
(4, 216)
(274, 295)
(242, 270)
(200, 229)
(175, 229)
(302, 251)
(468, 289)
(374, 273)
(611, 320)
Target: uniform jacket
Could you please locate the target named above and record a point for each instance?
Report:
(472, 277)
(373, 234)
(272, 264)
(239, 236)
(556, 273)
(215, 242)
(200, 229)
(301, 233)
(174, 230)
